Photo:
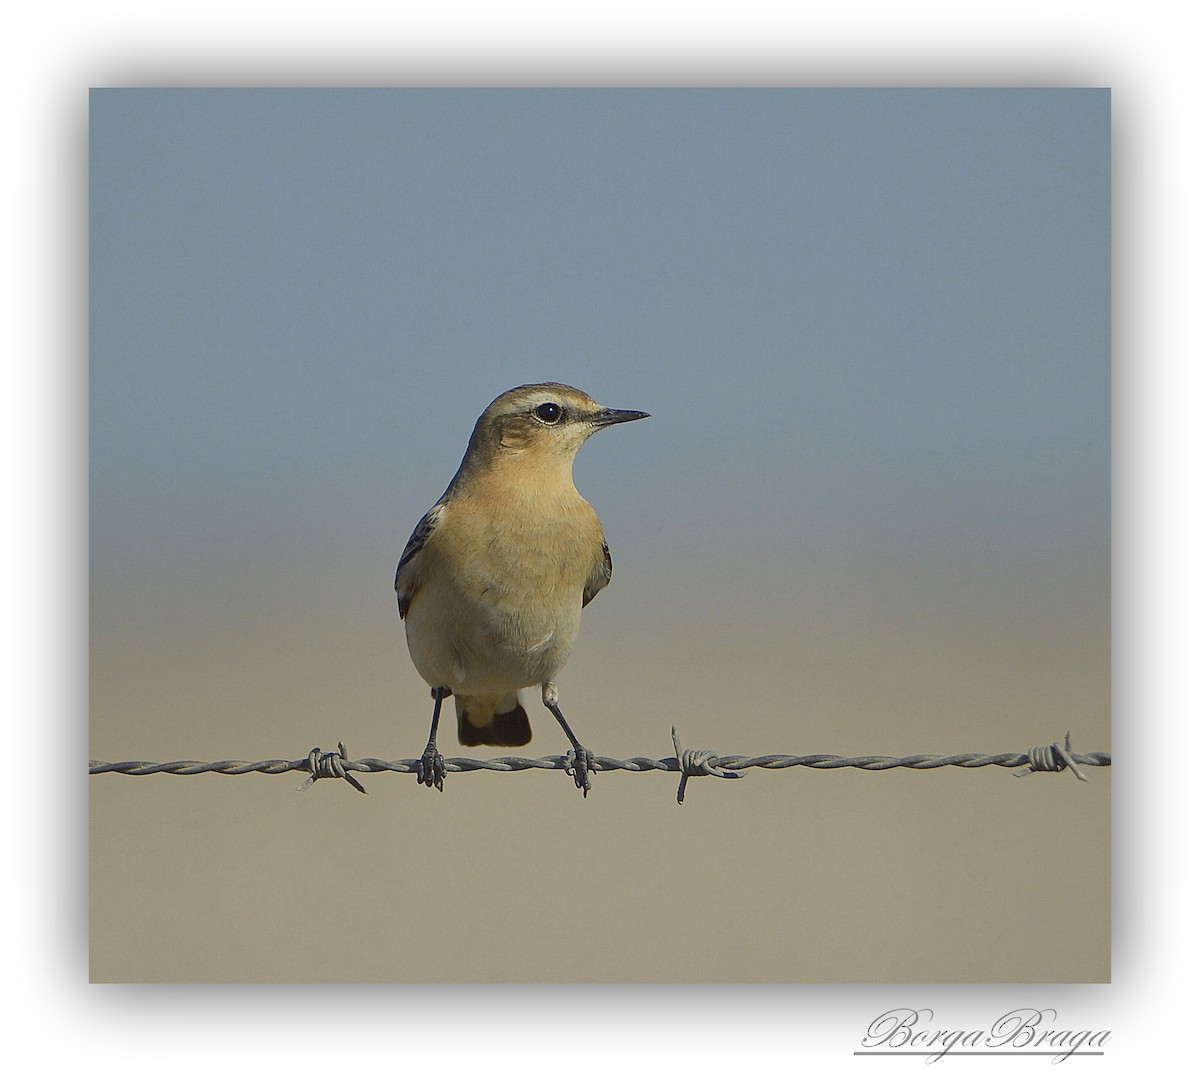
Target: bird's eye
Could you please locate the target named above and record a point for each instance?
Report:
(548, 412)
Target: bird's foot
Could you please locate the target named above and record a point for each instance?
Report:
(579, 764)
(431, 768)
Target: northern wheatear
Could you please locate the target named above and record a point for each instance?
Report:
(495, 576)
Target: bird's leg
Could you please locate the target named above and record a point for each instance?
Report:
(580, 760)
(431, 769)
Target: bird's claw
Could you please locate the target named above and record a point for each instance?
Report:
(431, 768)
(579, 767)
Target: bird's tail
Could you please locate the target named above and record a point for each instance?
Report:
(498, 722)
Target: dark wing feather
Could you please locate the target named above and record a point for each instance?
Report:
(601, 577)
(404, 581)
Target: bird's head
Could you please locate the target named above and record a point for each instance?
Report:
(548, 420)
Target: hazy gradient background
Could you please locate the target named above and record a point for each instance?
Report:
(869, 515)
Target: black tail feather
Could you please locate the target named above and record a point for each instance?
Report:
(509, 729)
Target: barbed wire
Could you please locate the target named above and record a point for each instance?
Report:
(321, 765)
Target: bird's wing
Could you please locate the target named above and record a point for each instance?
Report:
(406, 570)
(600, 577)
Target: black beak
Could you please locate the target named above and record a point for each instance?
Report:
(609, 417)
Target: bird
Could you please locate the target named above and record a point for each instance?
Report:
(494, 578)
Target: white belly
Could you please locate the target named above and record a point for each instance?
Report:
(485, 645)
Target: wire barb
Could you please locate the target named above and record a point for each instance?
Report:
(1052, 759)
(696, 763)
(327, 767)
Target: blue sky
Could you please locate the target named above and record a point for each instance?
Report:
(866, 322)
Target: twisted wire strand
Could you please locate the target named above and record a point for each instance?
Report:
(688, 763)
